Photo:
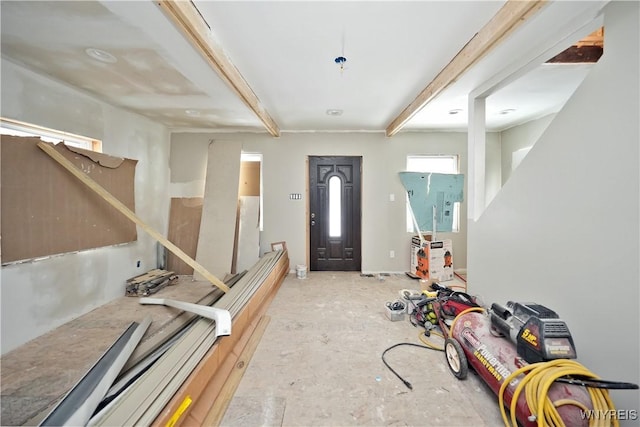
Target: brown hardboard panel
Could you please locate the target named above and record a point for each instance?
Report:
(47, 211)
(184, 228)
(249, 179)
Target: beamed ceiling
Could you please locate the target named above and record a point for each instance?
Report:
(270, 66)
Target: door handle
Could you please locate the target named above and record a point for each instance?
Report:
(313, 222)
(313, 215)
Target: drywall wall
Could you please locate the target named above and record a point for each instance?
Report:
(564, 230)
(493, 168)
(284, 171)
(519, 137)
(41, 295)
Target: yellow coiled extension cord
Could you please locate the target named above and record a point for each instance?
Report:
(540, 376)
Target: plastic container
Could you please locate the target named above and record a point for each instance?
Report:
(301, 271)
(396, 314)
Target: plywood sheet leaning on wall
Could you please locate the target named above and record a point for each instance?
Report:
(184, 227)
(217, 228)
(46, 211)
(249, 179)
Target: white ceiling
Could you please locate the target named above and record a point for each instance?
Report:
(285, 51)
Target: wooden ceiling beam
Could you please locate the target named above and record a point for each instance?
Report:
(512, 15)
(187, 18)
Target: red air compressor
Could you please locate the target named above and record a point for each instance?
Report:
(518, 346)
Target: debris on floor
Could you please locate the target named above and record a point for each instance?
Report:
(149, 282)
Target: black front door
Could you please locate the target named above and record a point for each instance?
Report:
(334, 210)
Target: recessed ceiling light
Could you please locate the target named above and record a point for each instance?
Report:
(455, 111)
(507, 111)
(334, 112)
(192, 113)
(101, 55)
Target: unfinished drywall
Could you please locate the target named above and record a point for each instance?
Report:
(248, 241)
(564, 230)
(219, 209)
(39, 296)
(520, 137)
(284, 171)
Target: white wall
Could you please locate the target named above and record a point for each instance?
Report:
(285, 171)
(518, 137)
(493, 166)
(564, 230)
(38, 296)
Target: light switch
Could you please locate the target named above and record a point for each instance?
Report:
(392, 197)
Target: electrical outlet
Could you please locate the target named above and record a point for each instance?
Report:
(392, 197)
(392, 254)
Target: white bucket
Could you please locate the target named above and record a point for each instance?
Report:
(301, 271)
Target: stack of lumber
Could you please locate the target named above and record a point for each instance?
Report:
(149, 283)
(190, 375)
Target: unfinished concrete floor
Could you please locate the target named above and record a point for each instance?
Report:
(319, 363)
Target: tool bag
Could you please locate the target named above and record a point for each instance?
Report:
(456, 302)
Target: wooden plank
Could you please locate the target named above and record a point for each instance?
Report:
(33, 369)
(214, 417)
(202, 408)
(208, 380)
(187, 18)
(48, 148)
(150, 397)
(511, 16)
(149, 275)
(60, 215)
(152, 342)
(185, 216)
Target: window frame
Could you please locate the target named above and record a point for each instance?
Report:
(18, 128)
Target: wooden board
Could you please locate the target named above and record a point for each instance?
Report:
(220, 405)
(46, 211)
(207, 382)
(249, 179)
(184, 228)
(510, 17)
(149, 275)
(124, 210)
(35, 375)
(189, 21)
